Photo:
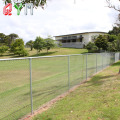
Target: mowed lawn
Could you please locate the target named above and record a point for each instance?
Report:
(97, 99)
(51, 52)
(49, 79)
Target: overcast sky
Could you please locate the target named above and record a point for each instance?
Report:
(59, 17)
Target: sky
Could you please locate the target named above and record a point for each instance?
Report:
(59, 17)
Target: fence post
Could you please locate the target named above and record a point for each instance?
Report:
(86, 66)
(31, 99)
(68, 72)
(102, 61)
(96, 62)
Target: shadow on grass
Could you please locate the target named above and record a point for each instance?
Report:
(43, 54)
(116, 64)
(98, 80)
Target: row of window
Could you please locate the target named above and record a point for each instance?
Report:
(73, 40)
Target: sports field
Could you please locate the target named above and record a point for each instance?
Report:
(49, 79)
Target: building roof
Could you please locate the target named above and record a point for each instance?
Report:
(81, 33)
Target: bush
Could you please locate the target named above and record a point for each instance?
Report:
(91, 47)
(18, 48)
(3, 49)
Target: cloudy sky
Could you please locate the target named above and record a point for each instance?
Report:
(59, 17)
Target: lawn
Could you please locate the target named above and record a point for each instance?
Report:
(55, 51)
(97, 99)
(49, 79)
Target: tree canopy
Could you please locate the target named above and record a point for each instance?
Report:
(36, 3)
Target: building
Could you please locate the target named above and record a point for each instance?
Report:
(78, 40)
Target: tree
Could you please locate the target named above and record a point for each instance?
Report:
(49, 43)
(112, 46)
(118, 42)
(18, 48)
(36, 3)
(101, 42)
(91, 47)
(3, 49)
(30, 44)
(39, 44)
(111, 38)
(2, 38)
(114, 31)
(12, 38)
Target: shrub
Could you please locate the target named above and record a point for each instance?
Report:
(3, 49)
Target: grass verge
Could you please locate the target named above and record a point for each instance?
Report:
(97, 99)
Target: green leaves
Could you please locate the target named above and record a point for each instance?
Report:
(18, 48)
(3, 49)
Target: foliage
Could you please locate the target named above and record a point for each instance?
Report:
(91, 47)
(59, 44)
(39, 44)
(114, 31)
(18, 48)
(7, 39)
(49, 43)
(30, 44)
(111, 38)
(2, 38)
(101, 42)
(118, 42)
(36, 3)
(12, 38)
(3, 49)
(112, 46)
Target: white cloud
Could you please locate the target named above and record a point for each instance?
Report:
(59, 17)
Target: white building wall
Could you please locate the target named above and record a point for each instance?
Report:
(87, 37)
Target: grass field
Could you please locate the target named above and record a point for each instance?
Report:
(97, 99)
(49, 79)
(55, 51)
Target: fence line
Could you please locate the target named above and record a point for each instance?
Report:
(27, 83)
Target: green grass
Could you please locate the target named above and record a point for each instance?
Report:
(55, 51)
(49, 79)
(97, 99)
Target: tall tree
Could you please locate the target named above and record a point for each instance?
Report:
(49, 43)
(101, 42)
(12, 38)
(39, 44)
(18, 48)
(114, 31)
(2, 38)
(30, 44)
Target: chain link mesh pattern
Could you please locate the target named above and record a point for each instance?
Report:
(50, 77)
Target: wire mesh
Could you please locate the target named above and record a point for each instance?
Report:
(14, 89)
(50, 77)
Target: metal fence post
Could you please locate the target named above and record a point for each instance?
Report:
(68, 72)
(31, 99)
(86, 66)
(102, 61)
(96, 62)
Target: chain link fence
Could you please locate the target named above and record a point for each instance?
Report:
(28, 83)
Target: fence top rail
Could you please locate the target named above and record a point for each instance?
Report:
(23, 58)
(39, 57)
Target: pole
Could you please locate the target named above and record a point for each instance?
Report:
(30, 64)
(102, 61)
(68, 72)
(96, 62)
(86, 66)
